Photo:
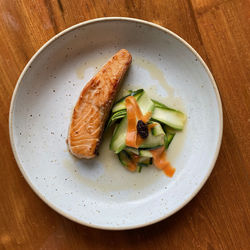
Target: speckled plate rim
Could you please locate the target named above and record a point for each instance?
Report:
(126, 19)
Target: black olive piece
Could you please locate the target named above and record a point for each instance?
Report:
(142, 129)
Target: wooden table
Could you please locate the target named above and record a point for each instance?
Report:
(219, 216)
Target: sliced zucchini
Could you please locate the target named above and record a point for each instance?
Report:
(120, 105)
(132, 150)
(168, 139)
(145, 160)
(146, 163)
(174, 119)
(145, 153)
(170, 133)
(160, 105)
(157, 130)
(119, 113)
(116, 116)
(168, 129)
(130, 93)
(145, 103)
(124, 158)
(153, 141)
(140, 168)
(118, 141)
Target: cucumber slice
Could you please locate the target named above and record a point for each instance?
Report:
(120, 105)
(157, 130)
(174, 119)
(118, 141)
(145, 153)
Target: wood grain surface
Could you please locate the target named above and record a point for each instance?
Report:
(219, 216)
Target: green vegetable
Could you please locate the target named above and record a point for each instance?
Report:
(132, 150)
(145, 153)
(174, 119)
(116, 116)
(160, 105)
(118, 141)
(124, 158)
(153, 141)
(167, 120)
(120, 105)
(170, 133)
(157, 129)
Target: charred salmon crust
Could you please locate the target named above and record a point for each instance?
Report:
(92, 108)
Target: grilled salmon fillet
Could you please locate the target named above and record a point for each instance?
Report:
(92, 108)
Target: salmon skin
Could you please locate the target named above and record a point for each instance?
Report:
(93, 106)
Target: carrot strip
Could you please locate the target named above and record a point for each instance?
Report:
(131, 135)
(146, 117)
(160, 161)
(151, 126)
(132, 165)
(133, 114)
(169, 170)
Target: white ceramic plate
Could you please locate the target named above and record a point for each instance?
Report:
(100, 192)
